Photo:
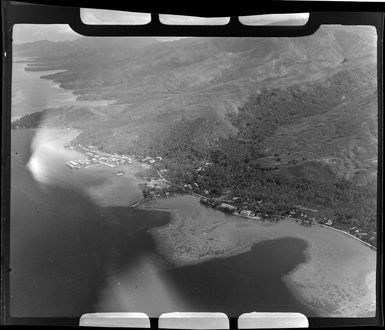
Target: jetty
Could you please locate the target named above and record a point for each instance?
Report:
(136, 204)
(93, 165)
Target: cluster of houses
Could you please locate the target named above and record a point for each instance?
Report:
(306, 219)
(297, 213)
(149, 160)
(361, 234)
(195, 186)
(153, 193)
(228, 208)
(73, 164)
(159, 187)
(203, 167)
(96, 157)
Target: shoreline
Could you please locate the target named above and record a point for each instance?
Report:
(286, 219)
(196, 234)
(142, 205)
(331, 228)
(46, 72)
(333, 280)
(292, 218)
(348, 234)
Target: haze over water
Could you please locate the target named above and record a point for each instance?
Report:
(32, 94)
(69, 256)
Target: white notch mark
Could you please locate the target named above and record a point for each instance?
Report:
(192, 20)
(121, 320)
(113, 17)
(256, 320)
(296, 19)
(194, 321)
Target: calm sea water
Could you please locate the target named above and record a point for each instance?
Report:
(63, 246)
(70, 256)
(31, 94)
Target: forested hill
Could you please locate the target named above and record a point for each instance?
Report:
(188, 97)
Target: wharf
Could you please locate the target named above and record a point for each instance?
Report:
(140, 202)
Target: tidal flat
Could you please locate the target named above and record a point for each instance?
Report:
(336, 280)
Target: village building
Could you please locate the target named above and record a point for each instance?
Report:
(227, 207)
(306, 208)
(246, 213)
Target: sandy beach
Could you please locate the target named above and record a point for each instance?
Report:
(337, 280)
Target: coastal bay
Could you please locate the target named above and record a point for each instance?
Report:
(196, 235)
(335, 280)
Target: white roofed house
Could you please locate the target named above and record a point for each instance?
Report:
(227, 207)
(246, 213)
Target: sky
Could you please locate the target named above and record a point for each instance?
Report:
(23, 33)
(60, 32)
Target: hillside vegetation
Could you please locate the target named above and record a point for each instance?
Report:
(286, 120)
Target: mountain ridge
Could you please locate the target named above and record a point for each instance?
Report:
(158, 87)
